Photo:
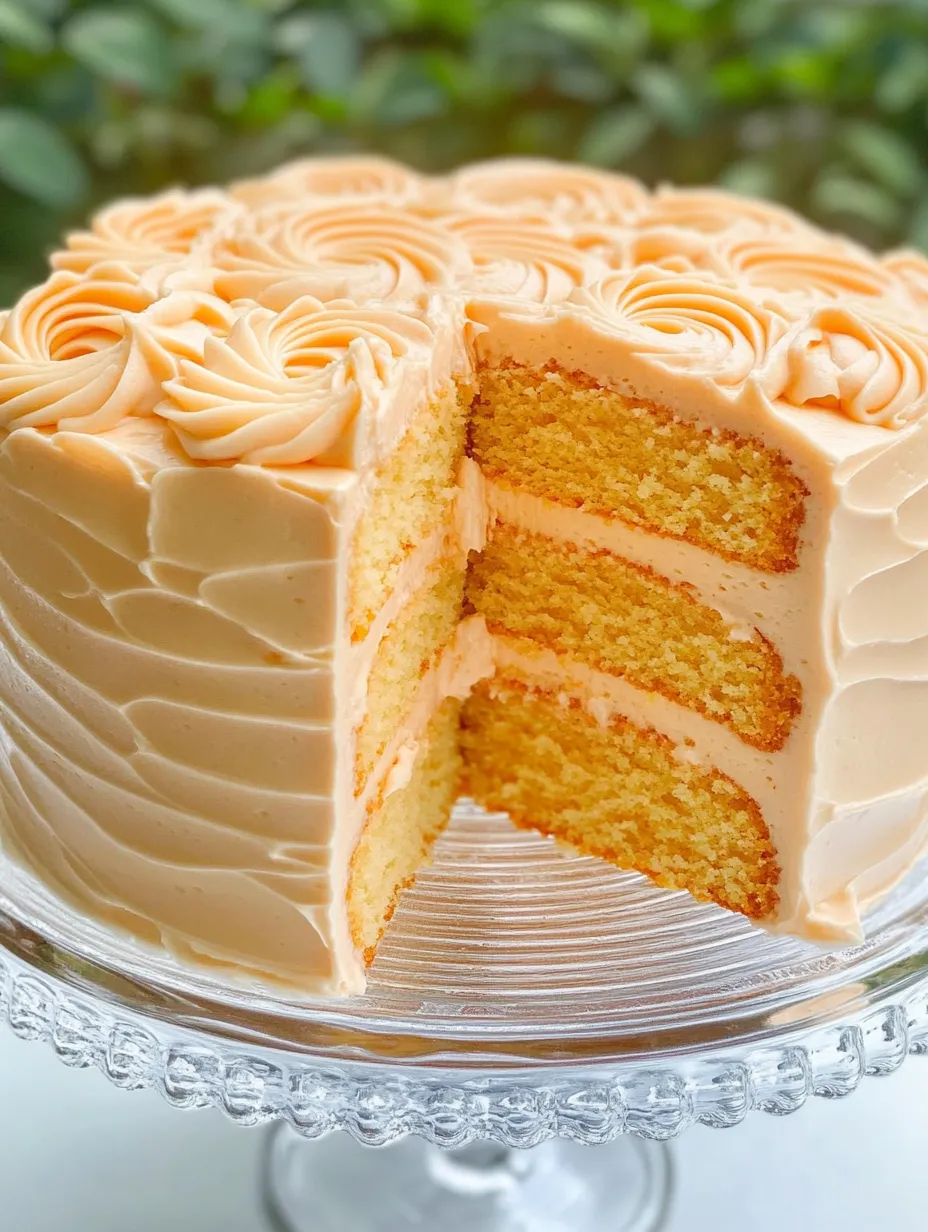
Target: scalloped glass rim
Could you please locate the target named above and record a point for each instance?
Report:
(509, 951)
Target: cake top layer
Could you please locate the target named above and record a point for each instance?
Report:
(290, 319)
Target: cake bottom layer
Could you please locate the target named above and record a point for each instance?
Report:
(617, 791)
(401, 828)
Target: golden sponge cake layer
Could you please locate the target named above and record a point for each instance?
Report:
(630, 621)
(564, 436)
(617, 791)
(412, 494)
(400, 827)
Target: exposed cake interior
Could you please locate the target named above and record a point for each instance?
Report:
(563, 435)
(560, 464)
(620, 792)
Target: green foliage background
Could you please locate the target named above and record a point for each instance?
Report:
(823, 105)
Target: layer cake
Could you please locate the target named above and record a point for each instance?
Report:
(335, 494)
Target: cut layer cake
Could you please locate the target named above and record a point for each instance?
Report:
(332, 496)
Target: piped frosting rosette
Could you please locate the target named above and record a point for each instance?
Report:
(142, 233)
(522, 260)
(806, 270)
(911, 268)
(539, 188)
(82, 353)
(852, 360)
(712, 210)
(358, 178)
(685, 322)
(282, 389)
(353, 252)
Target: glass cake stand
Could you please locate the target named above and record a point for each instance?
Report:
(525, 997)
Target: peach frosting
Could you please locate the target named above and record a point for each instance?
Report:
(360, 252)
(702, 280)
(193, 404)
(142, 233)
(284, 388)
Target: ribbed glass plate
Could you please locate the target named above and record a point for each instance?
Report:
(509, 949)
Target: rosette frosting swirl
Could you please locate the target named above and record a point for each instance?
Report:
(82, 353)
(871, 369)
(807, 267)
(712, 210)
(144, 232)
(522, 260)
(686, 322)
(541, 188)
(365, 178)
(354, 252)
(281, 389)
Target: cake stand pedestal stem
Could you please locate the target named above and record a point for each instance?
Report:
(334, 1184)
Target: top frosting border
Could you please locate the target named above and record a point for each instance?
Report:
(278, 322)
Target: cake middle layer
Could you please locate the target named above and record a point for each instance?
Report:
(627, 620)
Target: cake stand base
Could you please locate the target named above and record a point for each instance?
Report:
(334, 1183)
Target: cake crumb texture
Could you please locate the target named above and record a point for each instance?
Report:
(410, 648)
(627, 620)
(398, 835)
(412, 494)
(617, 792)
(564, 437)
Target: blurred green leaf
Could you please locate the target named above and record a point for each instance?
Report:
(614, 37)
(754, 176)
(125, 46)
(271, 98)
(37, 160)
(584, 82)
(326, 47)
(458, 17)
(905, 80)
(49, 9)
(836, 194)
(667, 97)
(737, 79)
(918, 225)
(24, 28)
(883, 153)
(616, 135)
(802, 72)
(397, 88)
(590, 25)
(195, 13)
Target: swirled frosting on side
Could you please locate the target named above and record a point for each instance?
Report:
(144, 232)
(284, 388)
(358, 252)
(373, 180)
(869, 368)
(685, 322)
(522, 260)
(544, 189)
